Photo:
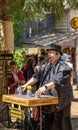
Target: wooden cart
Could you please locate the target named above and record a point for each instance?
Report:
(24, 100)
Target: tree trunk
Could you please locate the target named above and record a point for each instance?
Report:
(6, 46)
(3, 9)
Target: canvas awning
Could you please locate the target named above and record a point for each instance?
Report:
(45, 40)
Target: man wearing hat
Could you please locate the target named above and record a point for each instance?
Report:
(55, 74)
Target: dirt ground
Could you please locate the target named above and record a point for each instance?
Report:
(74, 113)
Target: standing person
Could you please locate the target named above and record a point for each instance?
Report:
(28, 69)
(15, 79)
(55, 74)
(41, 61)
(68, 60)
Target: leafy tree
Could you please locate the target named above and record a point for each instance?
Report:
(19, 58)
(29, 9)
(19, 11)
(18, 31)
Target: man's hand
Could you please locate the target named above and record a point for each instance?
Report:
(41, 90)
(23, 87)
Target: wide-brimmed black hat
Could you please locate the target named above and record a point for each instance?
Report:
(56, 48)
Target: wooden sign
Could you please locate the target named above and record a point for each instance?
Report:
(1, 71)
(74, 23)
(8, 35)
(16, 113)
(6, 56)
(34, 51)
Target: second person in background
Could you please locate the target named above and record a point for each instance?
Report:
(28, 69)
(41, 61)
(16, 78)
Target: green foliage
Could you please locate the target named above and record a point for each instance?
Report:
(28, 9)
(21, 10)
(73, 3)
(18, 31)
(19, 58)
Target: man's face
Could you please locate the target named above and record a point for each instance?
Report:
(53, 56)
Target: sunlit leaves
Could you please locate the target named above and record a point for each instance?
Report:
(19, 58)
(73, 3)
(29, 9)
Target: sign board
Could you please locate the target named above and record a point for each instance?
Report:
(1, 71)
(16, 113)
(8, 35)
(33, 51)
(6, 56)
(74, 23)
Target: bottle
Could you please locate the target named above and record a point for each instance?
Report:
(29, 88)
(20, 91)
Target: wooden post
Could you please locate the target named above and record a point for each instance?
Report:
(6, 47)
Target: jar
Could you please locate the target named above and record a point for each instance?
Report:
(29, 92)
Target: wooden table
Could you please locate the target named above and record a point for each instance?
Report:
(24, 100)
